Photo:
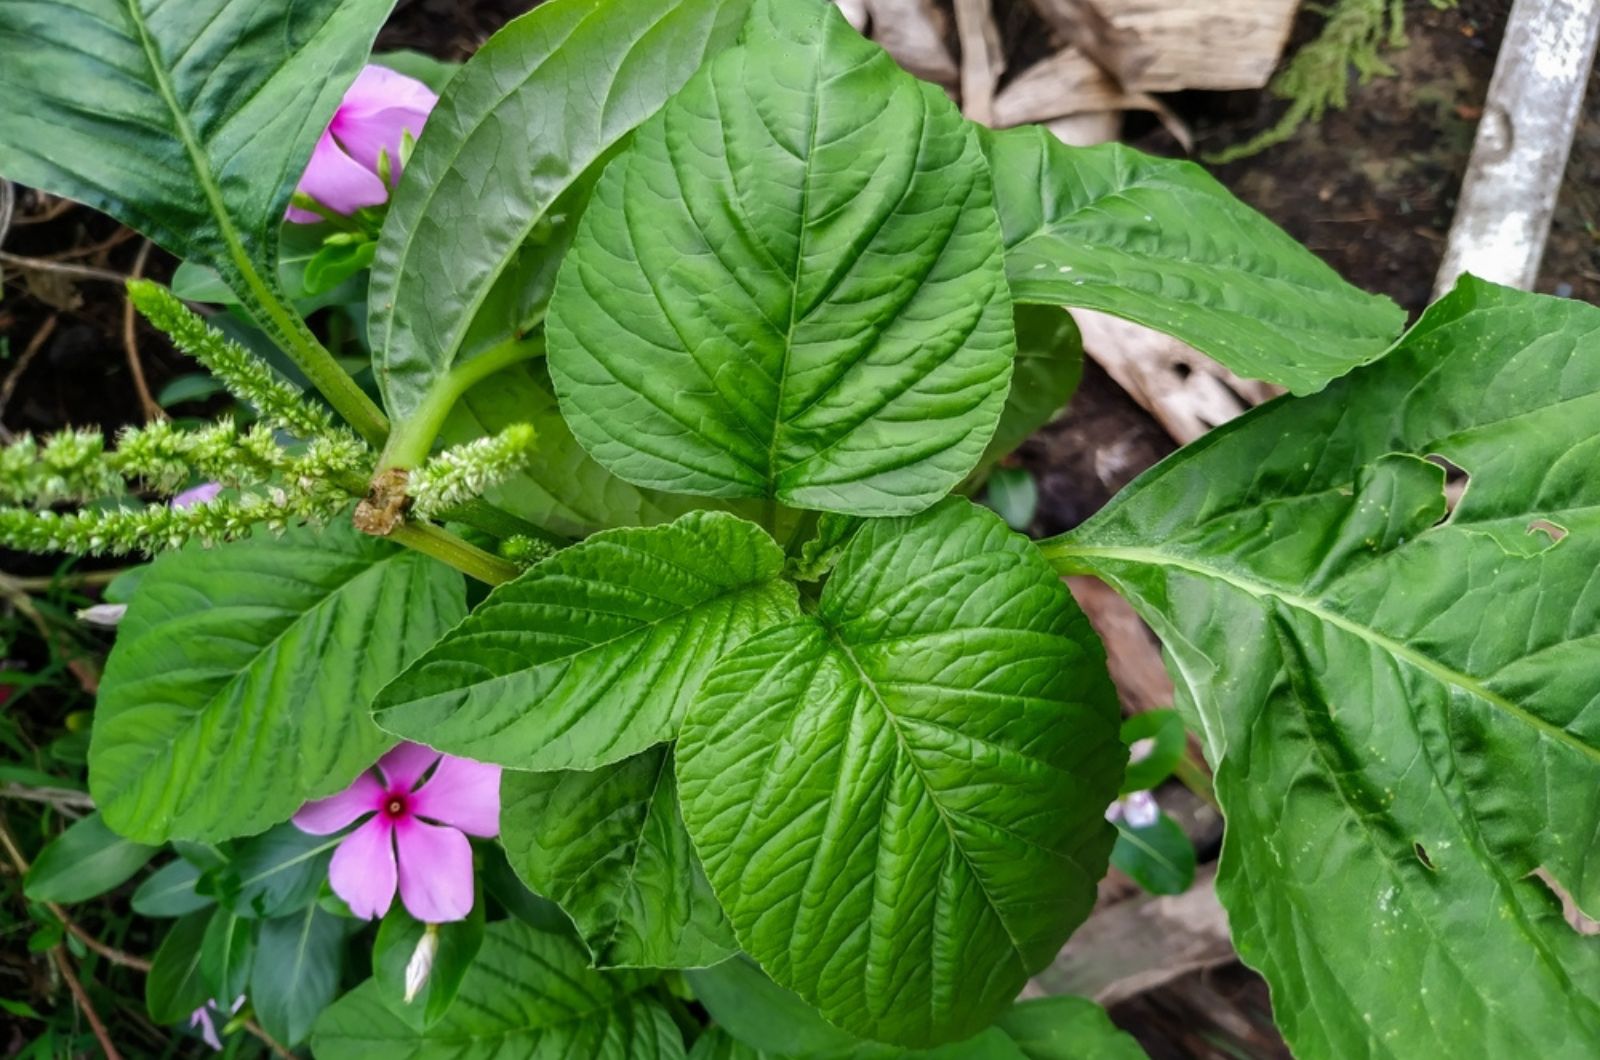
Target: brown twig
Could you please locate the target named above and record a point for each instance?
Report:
(8, 208)
(121, 236)
(130, 343)
(58, 952)
(82, 272)
(64, 964)
(268, 1040)
(63, 799)
(78, 579)
(56, 209)
(35, 344)
(87, 673)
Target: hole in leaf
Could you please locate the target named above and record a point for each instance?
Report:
(1422, 856)
(1182, 369)
(1554, 531)
(1456, 481)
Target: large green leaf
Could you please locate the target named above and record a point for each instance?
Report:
(592, 655)
(561, 488)
(295, 975)
(790, 285)
(174, 987)
(610, 847)
(239, 684)
(543, 101)
(529, 995)
(86, 860)
(189, 121)
(765, 1020)
(1160, 242)
(899, 799)
(1399, 700)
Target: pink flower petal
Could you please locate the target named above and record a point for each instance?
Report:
(201, 494)
(404, 766)
(376, 111)
(338, 182)
(338, 812)
(362, 871)
(435, 871)
(462, 793)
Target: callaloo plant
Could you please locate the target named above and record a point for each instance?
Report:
(692, 325)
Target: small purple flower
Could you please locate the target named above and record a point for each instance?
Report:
(204, 493)
(372, 120)
(1139, 809)
(202, 1018)
(414, 833)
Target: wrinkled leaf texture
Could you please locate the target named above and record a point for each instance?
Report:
(790, 285)
(1400, 700)
(899, 799)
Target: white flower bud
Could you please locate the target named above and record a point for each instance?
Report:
(421, 963)
(106, 616)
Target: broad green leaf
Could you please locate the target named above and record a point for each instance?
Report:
(609, 846)
(544, 100)
(170, 891)
(275, 873)
(762, 1020)
(174, 987)
(1158, 857)
(790, 285)
(528, 995)
(226, 955)
(1045, 375)
(298, 963)
(590, 656)
(190, 122)
(456, 947)
(899, 799)
(562, 488)
(1161, 243)
(1155, 739)
(717, 1044)
(1398, 699)
(1066, 1028)
(85, 861)
(239, 684)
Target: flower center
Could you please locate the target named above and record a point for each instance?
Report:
(395, 805)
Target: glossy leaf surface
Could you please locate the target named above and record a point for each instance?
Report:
(541, 102)
(1398, 697)
(609, 846)
(590, 656)
(790, 285)
(1161, 243)
(899, 800)
(239, 683)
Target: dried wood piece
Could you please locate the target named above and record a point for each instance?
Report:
(913, 31)
(1523, 140)
(1067, 83)
(855, 12)
(1187, 392)
(1199, 45)
(1086, 130)
(982, 58)
(1133, 655)
(1133, 946)
(1084, 24)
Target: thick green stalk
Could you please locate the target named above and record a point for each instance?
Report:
(413, 438)
(449, 549)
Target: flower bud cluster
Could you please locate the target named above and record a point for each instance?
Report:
(464, 472)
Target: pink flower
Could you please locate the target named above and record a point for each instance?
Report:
(371, 120)
(423, 821)
(204, 493)
(201, 1017)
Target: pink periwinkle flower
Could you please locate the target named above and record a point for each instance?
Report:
(372, 119)
(204, 493)
(416, 804)
(202, 1018)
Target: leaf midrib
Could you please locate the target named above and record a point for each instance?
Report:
(922, 777)
(1440, 672)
